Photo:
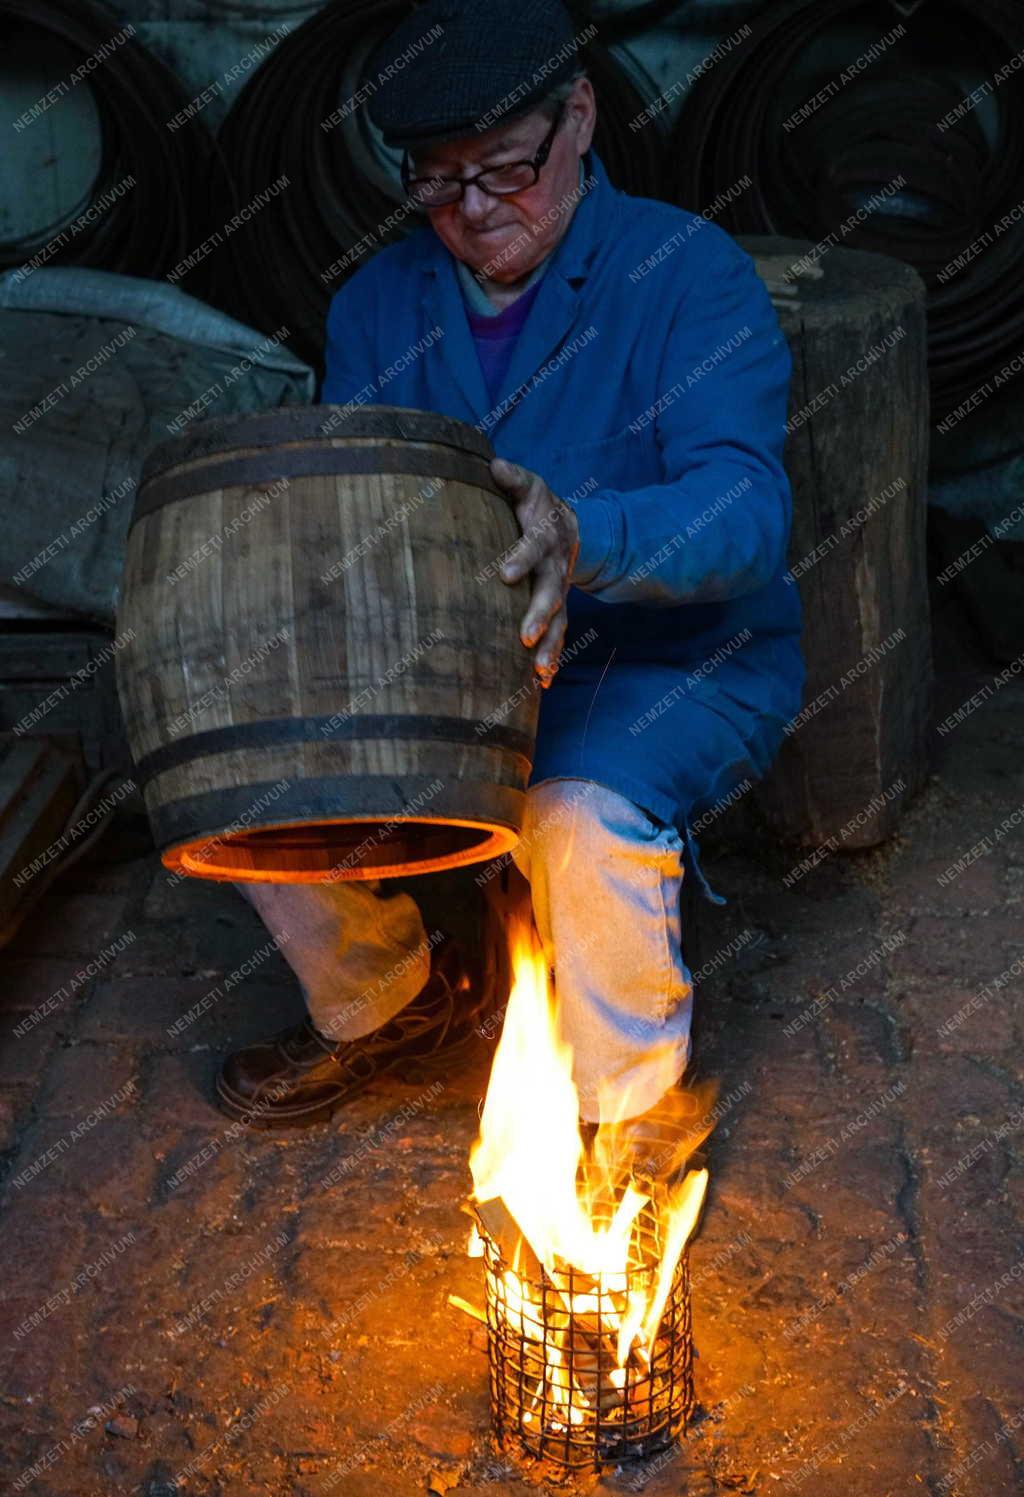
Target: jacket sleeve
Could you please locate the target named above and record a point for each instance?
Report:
(350, 373)
(718, 527)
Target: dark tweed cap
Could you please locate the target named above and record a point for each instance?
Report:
(453, 67)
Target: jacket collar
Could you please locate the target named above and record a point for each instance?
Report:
(551, 317)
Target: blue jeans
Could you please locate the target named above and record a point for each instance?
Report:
(605, 881)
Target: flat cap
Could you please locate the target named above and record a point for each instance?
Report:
(455, 67)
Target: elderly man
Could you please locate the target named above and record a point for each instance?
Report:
(626, 363)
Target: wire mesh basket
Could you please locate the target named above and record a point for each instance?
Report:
(560, 1387)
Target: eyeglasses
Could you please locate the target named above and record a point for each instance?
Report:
(499, 181)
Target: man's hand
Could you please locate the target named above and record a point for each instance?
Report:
(548, 548)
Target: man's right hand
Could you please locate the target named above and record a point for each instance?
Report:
(548, 548)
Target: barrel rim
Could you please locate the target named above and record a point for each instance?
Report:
(229, 813)
(499, 842)
(216, 435)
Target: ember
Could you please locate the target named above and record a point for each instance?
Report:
(587, 1288)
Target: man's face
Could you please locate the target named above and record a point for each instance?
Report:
(505, 237)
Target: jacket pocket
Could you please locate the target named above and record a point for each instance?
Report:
(623, 460)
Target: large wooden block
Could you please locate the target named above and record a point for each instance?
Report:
(856, 455)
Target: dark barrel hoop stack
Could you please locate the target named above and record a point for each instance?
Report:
(897, 113)
(320, 668)
(152, 226)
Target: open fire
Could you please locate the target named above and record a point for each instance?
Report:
(585, 1256)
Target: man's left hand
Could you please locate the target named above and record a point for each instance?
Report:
(548, 548)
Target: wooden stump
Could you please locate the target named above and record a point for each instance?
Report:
(856, 456)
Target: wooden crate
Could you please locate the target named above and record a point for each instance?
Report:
(39, 786)
(57, 682)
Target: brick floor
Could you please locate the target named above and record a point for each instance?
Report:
(191, 1307)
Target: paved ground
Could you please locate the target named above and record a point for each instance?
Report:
(189, 1307)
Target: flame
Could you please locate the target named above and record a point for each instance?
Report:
(529, 1155)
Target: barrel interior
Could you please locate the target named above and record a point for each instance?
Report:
(325, 851)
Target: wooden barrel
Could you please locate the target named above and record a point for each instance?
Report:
(319, 665)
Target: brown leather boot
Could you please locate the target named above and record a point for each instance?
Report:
(300, 1076)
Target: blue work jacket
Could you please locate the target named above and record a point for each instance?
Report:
(649, 389)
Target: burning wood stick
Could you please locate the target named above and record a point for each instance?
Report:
(501, 1227)
(459, 1303)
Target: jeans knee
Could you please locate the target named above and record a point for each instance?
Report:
(583, 822)
(554, 805)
